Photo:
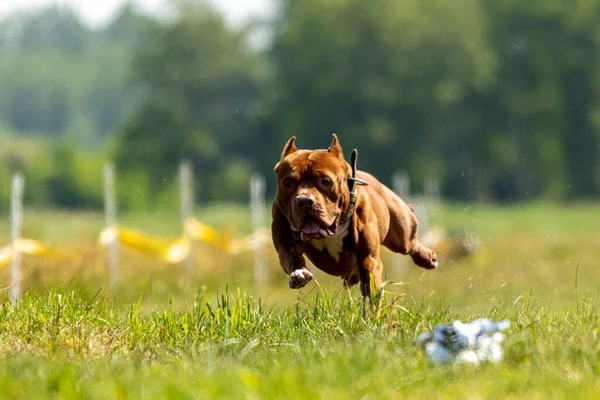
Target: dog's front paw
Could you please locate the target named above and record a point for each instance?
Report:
(299, 278)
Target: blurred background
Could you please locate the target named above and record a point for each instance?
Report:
(497, 101)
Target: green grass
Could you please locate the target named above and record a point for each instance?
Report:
(212, 334)
(238, 348)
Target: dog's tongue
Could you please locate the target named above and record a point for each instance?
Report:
(310, 227)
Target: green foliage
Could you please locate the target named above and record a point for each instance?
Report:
(200, 84)
(62, 79)
(498, 99)
(58, 174)
(74, 179)
(53, 28)
(389, 79)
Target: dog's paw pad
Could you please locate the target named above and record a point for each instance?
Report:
(299, 278)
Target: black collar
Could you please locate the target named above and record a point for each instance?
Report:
(352, 182)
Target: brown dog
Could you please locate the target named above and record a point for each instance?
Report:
(315, 213)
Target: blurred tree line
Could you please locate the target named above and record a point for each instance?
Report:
(499, 99)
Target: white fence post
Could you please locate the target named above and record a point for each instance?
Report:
(18, 185)
(432, 191)
(401, 186)
(257, 206)
(186, 184)
(110, 215)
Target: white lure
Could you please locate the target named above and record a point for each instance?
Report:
(470, 343)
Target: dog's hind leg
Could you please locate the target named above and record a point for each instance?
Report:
(402, 235)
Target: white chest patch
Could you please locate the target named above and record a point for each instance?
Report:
(334, 243)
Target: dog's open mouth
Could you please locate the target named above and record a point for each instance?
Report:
(314, 228)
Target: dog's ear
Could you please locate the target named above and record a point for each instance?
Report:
(335, 148)
(412, 206)
(289, 148)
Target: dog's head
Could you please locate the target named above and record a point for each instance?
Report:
(312, 189)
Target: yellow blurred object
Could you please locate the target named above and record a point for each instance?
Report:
(170, 252)
(206, 234)
(30, 247)
(177, 251)
(6, 254)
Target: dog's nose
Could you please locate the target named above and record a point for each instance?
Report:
(305, 202)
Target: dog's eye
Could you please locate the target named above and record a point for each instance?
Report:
(288, 183)
(325, 182)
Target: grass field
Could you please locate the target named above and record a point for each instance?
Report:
(211, 334)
